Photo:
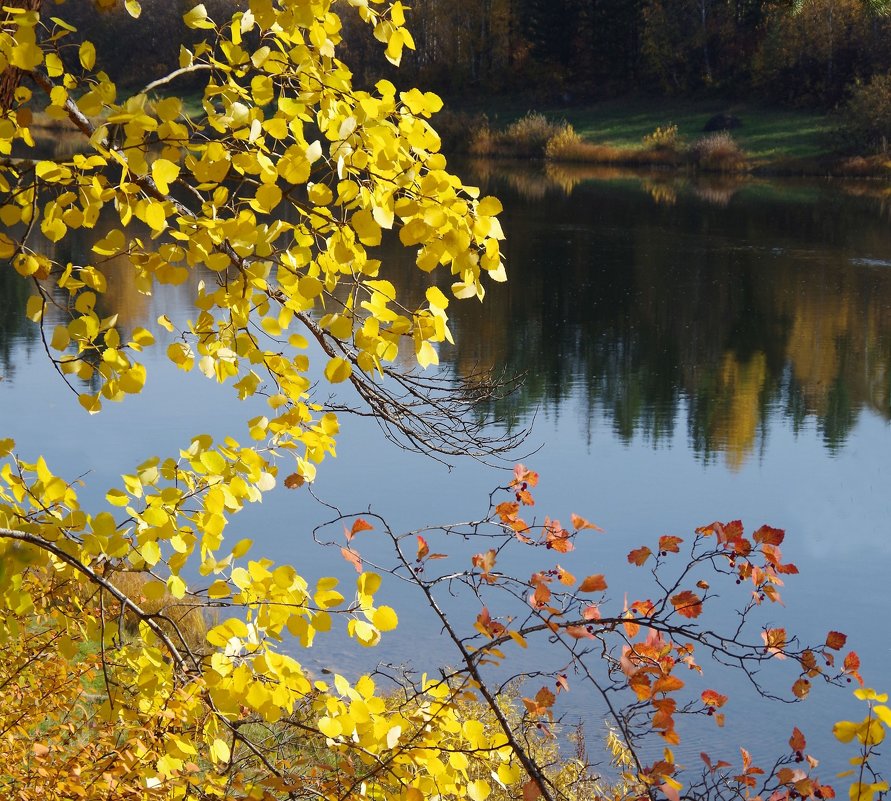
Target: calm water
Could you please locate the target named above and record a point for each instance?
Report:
(692, 352)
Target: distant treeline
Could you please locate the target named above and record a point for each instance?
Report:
(801, 52)
(804, 52)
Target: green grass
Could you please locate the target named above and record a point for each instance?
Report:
(766, 134)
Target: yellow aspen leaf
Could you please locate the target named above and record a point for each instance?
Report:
(7, 247)
(61, 338)
(241, 548)
(176, 586)
(489, 207)
(197, 17)
(338, 370)
(151, 553)
(366, 228)
(155, 216)
(427, 354)
(384, 618)
(479, 790)
(90, 402)
(154, 590)
(164, 173)
(87, 55)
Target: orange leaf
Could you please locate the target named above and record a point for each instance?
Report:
(595, 583)
(531, 790)
(769, 535)
(423, 548)
(40, 750)
(852, 666)
(524, 476)
(565, 576)
(579, 523)
(360, 525)
(591, 613)
(836, 640)
(639, 555)
(774, 640)
(353, 558)
(687, 604)
(713, 698)
(541, 596)
(797, 741)
(667, 684)
(579, 633)
(667, 543)
(801, 688)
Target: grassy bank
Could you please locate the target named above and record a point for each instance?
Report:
(664, 133)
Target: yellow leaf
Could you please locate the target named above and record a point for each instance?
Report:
(164, 173)
(176, 586)
(90, 402)
(220, 751)
(155, 216)
(87, 55)
(241, 548)
(489, 207)
(197, 17)
(384, 618)
(7, 247)
(338, 370)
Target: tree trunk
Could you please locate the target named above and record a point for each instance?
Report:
(12, 76)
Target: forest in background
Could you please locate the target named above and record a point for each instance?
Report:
(804, 53)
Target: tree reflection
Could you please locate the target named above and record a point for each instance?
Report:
(737, 305)
(732, 307)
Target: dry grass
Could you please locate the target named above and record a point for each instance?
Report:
(718, 152)
(182, 619)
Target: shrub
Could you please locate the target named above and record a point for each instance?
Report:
(717, 152)
(666, 137)
(866, 116)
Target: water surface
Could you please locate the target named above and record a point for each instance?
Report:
(691, 352)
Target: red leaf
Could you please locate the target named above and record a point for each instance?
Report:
(595, 583)
(579, 523)
(797, 741)
(713, 698)
(836, 640)
(669, 544)
(769, 535)
(639, 555)
(687, 603)
(353, 558)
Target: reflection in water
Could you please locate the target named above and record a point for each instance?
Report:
(657, 300)
(734, 302)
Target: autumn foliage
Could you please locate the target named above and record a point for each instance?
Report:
(275, 199)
